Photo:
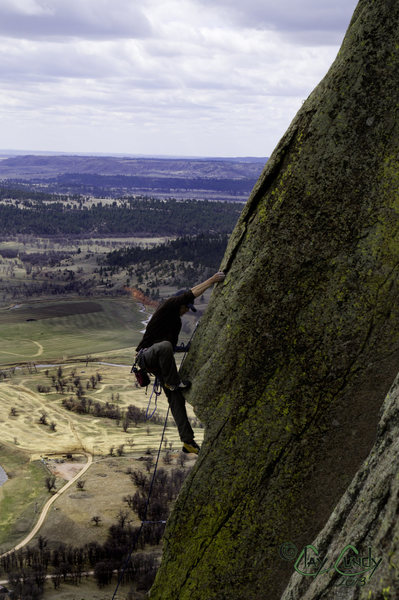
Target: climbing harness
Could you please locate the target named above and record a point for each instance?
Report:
(144, 521)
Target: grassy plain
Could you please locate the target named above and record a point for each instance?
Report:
(76, 432)
(46, 330)
(25, 440)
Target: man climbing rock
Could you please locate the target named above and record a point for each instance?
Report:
(156, 354)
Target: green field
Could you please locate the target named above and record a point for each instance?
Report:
(56, 331)
(23, 495)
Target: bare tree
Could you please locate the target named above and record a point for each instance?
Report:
(182, 459)
(167, 458)
(50, 482)
(120, 449)
(122, 517)
(41, 542)
(43, 418)
(148, 463)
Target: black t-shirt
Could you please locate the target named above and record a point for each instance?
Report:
(165, 323)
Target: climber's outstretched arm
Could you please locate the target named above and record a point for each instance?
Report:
(199, 289)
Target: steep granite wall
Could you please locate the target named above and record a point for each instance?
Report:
(364, 524)
(300, 344)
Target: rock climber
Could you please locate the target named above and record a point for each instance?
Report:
(156, 353)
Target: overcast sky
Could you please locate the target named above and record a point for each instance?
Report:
(169, 77)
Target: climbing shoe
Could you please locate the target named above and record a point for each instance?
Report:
(184, 385)
(191, 447)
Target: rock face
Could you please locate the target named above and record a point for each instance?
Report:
(299, 345)
(366, 518)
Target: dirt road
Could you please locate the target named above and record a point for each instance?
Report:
(46, 507)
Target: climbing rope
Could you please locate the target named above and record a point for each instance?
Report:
(144, 520)
(157, 391)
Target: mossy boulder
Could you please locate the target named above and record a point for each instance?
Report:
(299, 345)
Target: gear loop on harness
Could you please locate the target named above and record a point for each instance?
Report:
(140, 372)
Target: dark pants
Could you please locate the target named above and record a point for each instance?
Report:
(159, 360)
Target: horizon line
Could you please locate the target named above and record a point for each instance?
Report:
(17, 152)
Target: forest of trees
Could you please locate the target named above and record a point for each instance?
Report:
(24, 192)
(205, 250)
(134, 217)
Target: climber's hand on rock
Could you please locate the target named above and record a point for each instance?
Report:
(219, 276)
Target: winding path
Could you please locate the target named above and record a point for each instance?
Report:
(46, 507)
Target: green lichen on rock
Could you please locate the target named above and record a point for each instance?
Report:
(366, 519)
(300, 343)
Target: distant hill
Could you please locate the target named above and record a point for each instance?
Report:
(211, 178)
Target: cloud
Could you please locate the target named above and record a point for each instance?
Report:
(210, 78)
(58, 19)
(306, 22)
